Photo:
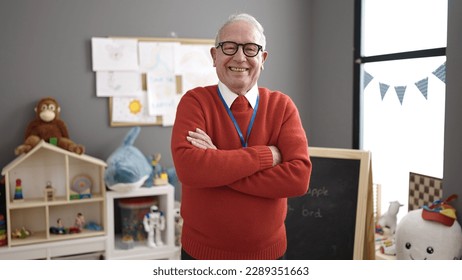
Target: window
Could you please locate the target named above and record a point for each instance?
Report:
(400, 48)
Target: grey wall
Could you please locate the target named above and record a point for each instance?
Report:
(331, 69)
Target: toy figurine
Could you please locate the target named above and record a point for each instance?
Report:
(59, 229)
(178, 226)
(79, 221)
(154, 223)
(49, 192)
(21, 233)
(18, 191)
(389, 219)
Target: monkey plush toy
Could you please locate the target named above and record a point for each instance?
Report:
(48, 126)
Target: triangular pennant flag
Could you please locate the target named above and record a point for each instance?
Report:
(383, 89)
(440, 72)
(422, 85)
(367, 79)
(400, 90)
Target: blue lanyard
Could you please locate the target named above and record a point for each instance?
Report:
(236, 125)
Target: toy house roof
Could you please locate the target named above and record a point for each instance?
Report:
(44, 145)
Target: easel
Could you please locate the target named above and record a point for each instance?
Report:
(364, 238)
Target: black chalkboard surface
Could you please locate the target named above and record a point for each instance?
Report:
(329, 222)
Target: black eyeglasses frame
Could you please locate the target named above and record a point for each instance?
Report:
(259, 48)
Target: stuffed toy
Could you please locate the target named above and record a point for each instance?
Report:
(156, 169)
(389, 218)
(160, 175)
(49, 127)
(430, 233)
(127, 168)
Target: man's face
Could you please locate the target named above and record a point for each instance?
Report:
(238, 72)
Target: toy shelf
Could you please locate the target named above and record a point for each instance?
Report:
(48, 184)
(38, 202)
(164, 199)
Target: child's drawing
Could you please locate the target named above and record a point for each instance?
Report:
(114, 54)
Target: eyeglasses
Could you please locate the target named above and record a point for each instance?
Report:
(231, 48)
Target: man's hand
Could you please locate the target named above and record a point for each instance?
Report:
(277, 158)
(200, 139)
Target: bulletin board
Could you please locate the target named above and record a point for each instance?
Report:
(334, 219)
(144, 78)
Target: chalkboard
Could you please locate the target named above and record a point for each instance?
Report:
(329, 221)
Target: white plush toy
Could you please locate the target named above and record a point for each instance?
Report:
(429, 233)
(389, 219)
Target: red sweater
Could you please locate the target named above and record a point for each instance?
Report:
(234, 202)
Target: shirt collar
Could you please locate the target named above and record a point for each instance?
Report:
(230, 96)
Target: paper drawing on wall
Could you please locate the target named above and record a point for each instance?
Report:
(118, 83)
(161, 92)
(194, 64)
(131, 110)
(114, 54)
(157, 56)
(157, 59)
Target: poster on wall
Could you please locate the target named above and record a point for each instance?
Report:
(147, 92)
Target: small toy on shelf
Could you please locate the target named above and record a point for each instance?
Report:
(161, 179)
(21, 233)
(127, 242)
(93, 226)
(159, 176)
(59, 229)
(389, 218)
(79, 221)
(73, 230)
(18, 191)
(178, 224)
(154, 223)
(81, 187)
(388, 247)
(49, 192)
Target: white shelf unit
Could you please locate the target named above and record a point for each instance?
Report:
(165, 200)
(48, 163)
(84, 247)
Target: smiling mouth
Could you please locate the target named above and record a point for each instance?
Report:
(410, 256)
(237, 69)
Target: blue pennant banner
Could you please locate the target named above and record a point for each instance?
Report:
(422, 85)
(400, 91)
(383, 89)
(440, 72)
(367, 79)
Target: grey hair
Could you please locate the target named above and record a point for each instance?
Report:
(243, 17)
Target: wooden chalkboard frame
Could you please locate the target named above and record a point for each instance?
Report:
(364, 225)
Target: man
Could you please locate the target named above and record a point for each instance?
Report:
(239, 152)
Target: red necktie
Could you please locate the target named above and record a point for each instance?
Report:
(240, 104)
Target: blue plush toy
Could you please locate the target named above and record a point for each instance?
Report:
(127, 168)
